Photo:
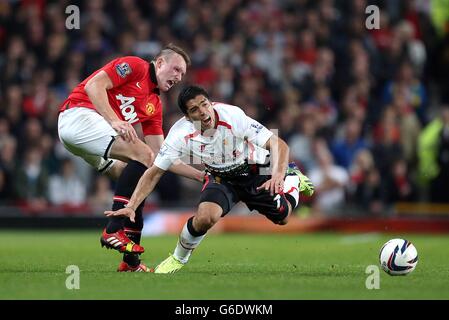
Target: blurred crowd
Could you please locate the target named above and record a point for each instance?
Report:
(365, 112)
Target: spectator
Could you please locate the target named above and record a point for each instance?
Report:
(364, 189)
(386, 148)
(399, 186)
(434, 156)
(12, 108)
(8, 155)
(409, 129)
(6, 194)
(100, 198)
(407, 84)
(344, 149)
(301, 143)
(323, 106)
(4, 128)
(31, 180)
(65, 188)
(330, 183)
(31, 135)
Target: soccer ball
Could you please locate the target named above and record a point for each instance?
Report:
(398, 257)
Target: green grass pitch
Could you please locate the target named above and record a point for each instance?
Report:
(225, 266)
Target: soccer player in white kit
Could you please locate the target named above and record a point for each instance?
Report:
(235, 150)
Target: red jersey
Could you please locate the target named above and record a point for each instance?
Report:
(134, 96)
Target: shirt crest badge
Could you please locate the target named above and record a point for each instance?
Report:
(123, 69)
(149, 109)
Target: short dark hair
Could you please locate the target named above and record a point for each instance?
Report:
(170, 48)
(188, 93)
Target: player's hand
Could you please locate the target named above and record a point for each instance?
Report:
(125, 212)
(125, 130)
(275, 184)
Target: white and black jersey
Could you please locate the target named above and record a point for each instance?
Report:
(236, 140)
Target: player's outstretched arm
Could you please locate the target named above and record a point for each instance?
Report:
(178, 167)
(279, 156)
(144, 187)
(184, 170)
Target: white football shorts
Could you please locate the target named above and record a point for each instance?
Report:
(88, 135)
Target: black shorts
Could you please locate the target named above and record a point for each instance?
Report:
(227, 193)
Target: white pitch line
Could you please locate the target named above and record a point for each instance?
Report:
(360, 238)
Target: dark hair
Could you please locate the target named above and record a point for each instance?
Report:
(170, 48)
(188, 93)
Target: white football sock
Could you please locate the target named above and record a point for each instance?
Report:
(186, 243)
(291, 187)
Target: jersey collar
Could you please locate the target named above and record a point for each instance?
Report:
(153, 78)
(217, 119)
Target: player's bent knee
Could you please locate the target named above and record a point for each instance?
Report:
(282, 222)
(205, 222)
(281, 217)
(138, 151)
(142, 154)
(206, 219)
(278, 220)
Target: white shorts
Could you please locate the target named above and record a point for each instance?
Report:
(88, 135)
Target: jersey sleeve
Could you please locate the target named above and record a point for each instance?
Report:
(171, 150)
(124, 70)
(252, 130)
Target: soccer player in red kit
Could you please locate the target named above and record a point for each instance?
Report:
(103, 121)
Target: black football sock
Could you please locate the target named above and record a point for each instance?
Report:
(133, 231)
(124, 189)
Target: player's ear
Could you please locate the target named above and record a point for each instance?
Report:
(159, 62)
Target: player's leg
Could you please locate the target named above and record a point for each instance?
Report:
(140, 154)
(126, 151)
(191, 236)
(295, 183)
(125, 186)
(196, 228)
(86, 134)
(305, 186)
(278, 207)
(216, 200)
(123, 191)
(128, 231)
(133, 230)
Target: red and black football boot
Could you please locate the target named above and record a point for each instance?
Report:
(124, 267)
(120, 242)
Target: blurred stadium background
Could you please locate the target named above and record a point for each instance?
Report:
(365, 112)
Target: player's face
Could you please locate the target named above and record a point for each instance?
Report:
(169, 71)
(200, 110)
